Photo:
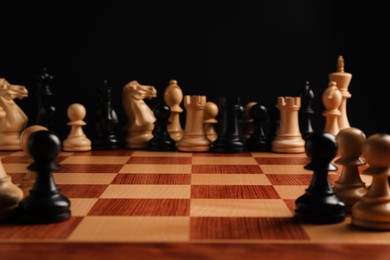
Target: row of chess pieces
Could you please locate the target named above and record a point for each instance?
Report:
(159, 129)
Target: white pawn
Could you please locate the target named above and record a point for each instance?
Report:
(349, 187)
(76, 140)
(210, 113)
(372, 211)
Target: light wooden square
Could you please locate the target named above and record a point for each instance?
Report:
(148, 191)
(95, 160)
(16, 167)
(229, 179)
(132, 229)
(156, 168)
(344, 232)
(81, 207)
(84, 178)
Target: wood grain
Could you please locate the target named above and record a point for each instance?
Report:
(162, 251)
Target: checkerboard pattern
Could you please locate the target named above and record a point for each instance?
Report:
(142, 196)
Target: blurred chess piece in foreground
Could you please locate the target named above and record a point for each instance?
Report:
(29, 178)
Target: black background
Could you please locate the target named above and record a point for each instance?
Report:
(256, 50)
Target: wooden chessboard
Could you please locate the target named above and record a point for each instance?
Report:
(185, 206)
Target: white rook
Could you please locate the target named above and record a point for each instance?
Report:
(289, 138)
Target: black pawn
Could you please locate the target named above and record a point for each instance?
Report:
(161, 140)
(258, 141)
(319, 204)
(274, 122)
(45, 203)
(230, 138)
(44, 98)
(106, 122)
(306, 111)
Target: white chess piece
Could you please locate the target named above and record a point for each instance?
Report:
(342, 79)
(210, 113)
(289, 138)
(194, 138)
(173, 96)
(331, 98)
(76, 140)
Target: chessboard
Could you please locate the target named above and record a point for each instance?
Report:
(183, 205)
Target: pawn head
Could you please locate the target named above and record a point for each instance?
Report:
(211, 110)
(376, 150)
(258, 112)
(321, 147)
(44, 145)
(161, 111)
(76, 112)
(350, 141)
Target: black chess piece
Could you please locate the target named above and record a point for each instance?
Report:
(306, 111)
(274, 122)
(44, 203)
(242, 120)
(161, 140)
(230, 137)
(44, 98)
(258, 141)
(319, 204)
(106, 123)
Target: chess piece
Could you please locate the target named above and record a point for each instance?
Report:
(194, 137)
(173, 96)
(342, 79)
(289, 138)
(76, 140)
(349, 187)
(106, 123)
(274, 122)
(248, 120)
(319, 204)
(140, 117)
(230, 137)
(161, 140)
(10, 194)
(372, 211)
(43, 94)
(210, 113)
(45, 203)
(331, 98)
(14, 120)
(306, 111)
(258, 141)
(29, 178)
